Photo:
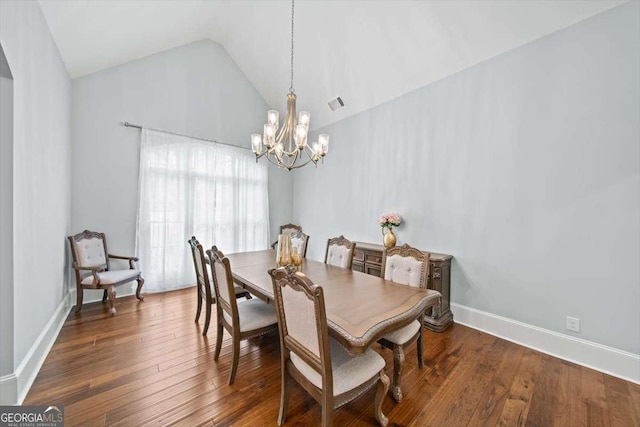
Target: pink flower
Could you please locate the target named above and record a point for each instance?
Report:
(390, 220)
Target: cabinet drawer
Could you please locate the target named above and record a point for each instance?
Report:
(372, 270)
(358, 266)
(373, 258)
(358, 255)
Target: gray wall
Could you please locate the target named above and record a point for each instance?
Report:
(195, 89)
(6, 217)
(525, 168)
(41, 172)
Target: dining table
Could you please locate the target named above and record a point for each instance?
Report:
(360, 308)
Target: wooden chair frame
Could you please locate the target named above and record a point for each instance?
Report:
(299, 282)
(341, 241)
(109, 289)
(290, 226)
(231, 308)
(398, 350)
(203, 284)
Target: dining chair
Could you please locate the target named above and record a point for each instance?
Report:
(90, 255)
(242, 320)
(287, 229)
(203, 284)
(339, 252)
(322, 366)
(407, 266)
(300, 242)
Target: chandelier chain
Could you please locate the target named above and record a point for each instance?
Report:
(291, 90)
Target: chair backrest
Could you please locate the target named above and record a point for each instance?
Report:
(224, 288)
(406, 265)
(302, 321)
(89, 249)
(290, 228)
(299, 241)
(339, 252)
(202, 275)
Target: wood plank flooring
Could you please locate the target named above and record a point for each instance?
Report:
(150, 366)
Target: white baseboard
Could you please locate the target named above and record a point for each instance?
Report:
(17, 385)
(8, 389)
(96, 296)
(600, 357)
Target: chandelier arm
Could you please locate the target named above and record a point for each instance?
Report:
(309, 151)
(273, 163)
(303, 164)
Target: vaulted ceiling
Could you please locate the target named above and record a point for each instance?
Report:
(367, 52)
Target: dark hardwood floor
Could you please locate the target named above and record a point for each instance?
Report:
(150, 365)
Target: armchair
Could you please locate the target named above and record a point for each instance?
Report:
(93, 269)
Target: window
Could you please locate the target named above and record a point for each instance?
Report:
(190, 187)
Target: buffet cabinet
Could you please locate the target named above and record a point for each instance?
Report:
(367, 258)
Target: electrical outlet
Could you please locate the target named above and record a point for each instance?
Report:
(573, 324)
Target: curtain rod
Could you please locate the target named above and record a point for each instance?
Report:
(131, 125)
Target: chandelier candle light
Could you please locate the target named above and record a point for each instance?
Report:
(287, 147)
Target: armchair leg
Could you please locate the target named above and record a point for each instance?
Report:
(383, 387)
(111, 293)
(140, 281)
(398, 367)
(79, 296)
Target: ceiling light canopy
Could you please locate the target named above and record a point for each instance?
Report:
(287, 146)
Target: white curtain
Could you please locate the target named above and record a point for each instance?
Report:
(190, 187)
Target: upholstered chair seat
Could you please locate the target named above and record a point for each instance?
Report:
(254, 314)
(403, 335)
(339, 252)
(349, 371)
(407, 266)
(111, 277)
(92, 267)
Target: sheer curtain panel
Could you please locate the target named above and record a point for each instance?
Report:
(192, 187)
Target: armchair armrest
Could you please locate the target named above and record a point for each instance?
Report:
(123, 257)
(97, 268)
(94, 271)
(131, 259)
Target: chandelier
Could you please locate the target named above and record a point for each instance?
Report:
(287, 146)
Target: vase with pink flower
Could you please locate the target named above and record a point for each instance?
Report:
(387, 222)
